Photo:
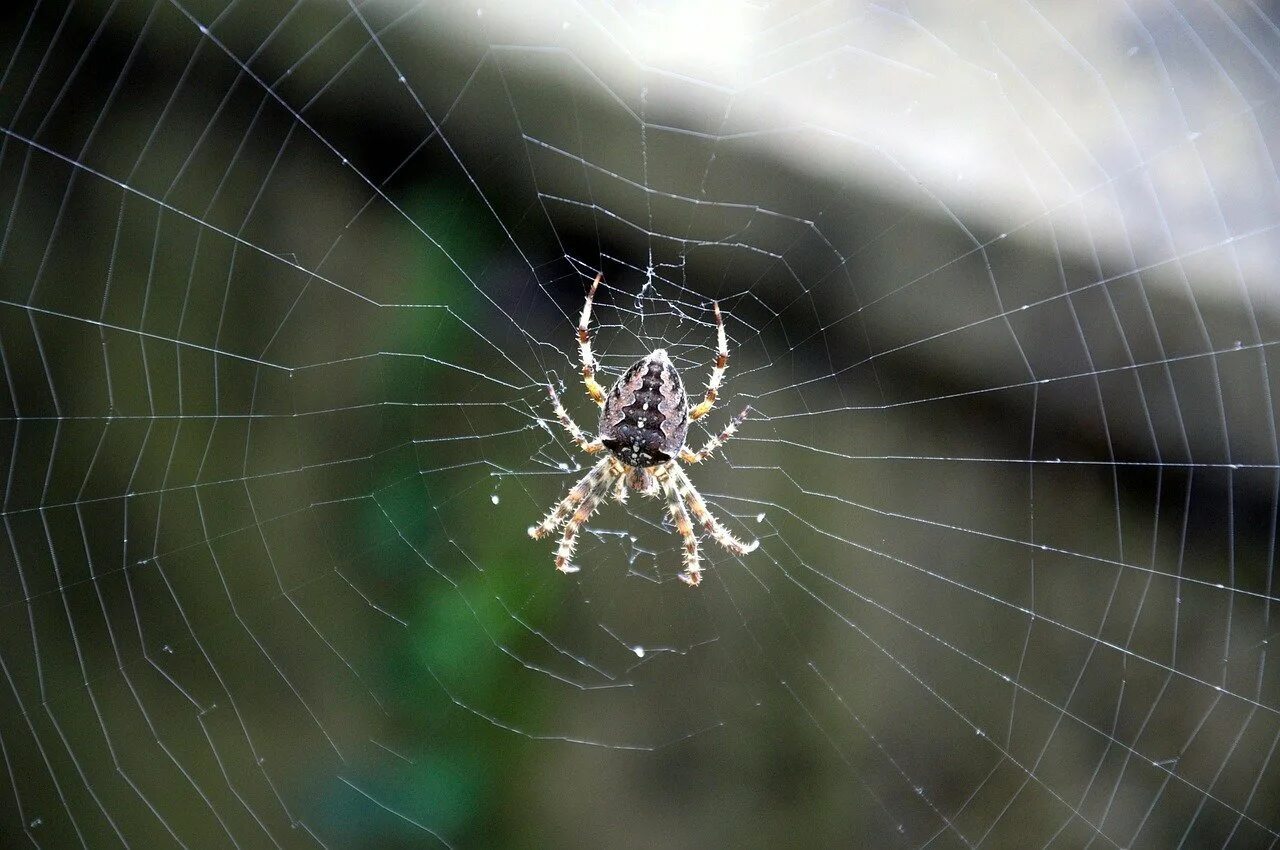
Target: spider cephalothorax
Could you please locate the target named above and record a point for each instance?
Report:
(643, 424)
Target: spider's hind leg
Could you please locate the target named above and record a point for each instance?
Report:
(584, 347)
(717, 371)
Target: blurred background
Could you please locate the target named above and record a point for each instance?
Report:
(282, 285)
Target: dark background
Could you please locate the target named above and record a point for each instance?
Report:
(275, 329)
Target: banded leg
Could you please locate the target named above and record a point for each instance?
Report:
(589, 503)
(704, 516)
(580, 491)
(575, 433)
(715, 442)
(717, 371)
(584, 348)
(692, 574)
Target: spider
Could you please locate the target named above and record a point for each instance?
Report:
(643, 424)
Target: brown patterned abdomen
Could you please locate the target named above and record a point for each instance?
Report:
(646, 414)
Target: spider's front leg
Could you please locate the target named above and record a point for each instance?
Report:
(703, 514)
(568, 540)
(692, 574)
(585, 486)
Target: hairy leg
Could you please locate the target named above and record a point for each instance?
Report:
(560, 512)
(715, 442)
(692, 574)
(575, 433)
(717, 371)
(584, 348)
(704, 516)
(589, 502)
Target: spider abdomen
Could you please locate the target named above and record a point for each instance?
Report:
(646, 414)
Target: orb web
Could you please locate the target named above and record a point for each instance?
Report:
(283, 288)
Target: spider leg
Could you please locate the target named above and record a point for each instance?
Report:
(589, 502)
(692, 574)
(620, 490)
(560, 512)
(575, 433)
(715, 442)
(703, 515)
(717, 371)
(584, 348)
